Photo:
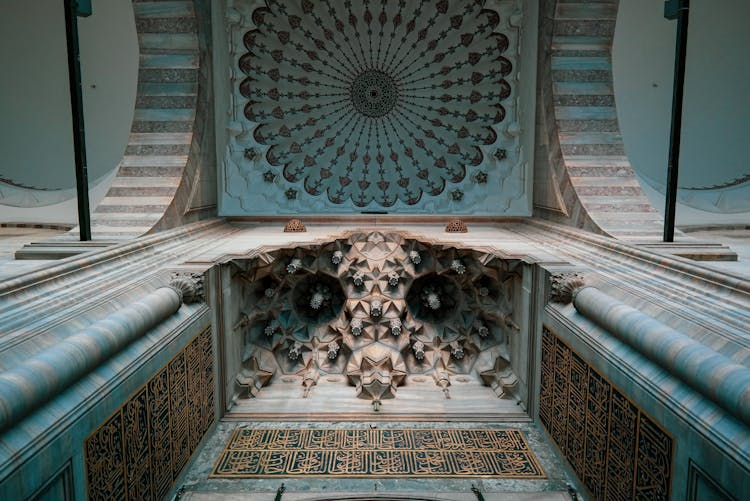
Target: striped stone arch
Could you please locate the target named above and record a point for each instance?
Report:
(157, 182)
(583, 177)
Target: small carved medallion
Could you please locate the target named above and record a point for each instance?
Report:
(294, 226)
(456, 226)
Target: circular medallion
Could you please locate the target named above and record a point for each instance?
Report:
(374, 93)
(391, 105)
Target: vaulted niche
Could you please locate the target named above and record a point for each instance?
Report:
(434, 298)
(371, 317)
(317, 299)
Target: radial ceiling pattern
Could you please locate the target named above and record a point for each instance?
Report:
(375, 103)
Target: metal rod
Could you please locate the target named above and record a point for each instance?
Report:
(679, 9)
(279, 492)
(76, 108)
(477, 492)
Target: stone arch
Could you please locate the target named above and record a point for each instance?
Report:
(584, 178)
(156, 181)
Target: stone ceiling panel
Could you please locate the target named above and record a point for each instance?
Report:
(341, 107)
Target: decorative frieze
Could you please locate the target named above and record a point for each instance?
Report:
(426, 453)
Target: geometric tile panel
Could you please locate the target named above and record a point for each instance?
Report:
(259, 453)
(139, 451)
(617, 451)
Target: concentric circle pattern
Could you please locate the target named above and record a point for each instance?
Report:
(375, 102)
(374, 93)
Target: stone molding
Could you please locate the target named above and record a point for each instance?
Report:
(708, 372)
(31, 383)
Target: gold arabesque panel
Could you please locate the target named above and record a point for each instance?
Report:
(139, 451)
(617, 451)
(259, 453)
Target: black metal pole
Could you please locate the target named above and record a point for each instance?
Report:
(279, 492)
(680, 10)
(76, 108)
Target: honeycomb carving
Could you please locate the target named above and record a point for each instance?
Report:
(376, 307)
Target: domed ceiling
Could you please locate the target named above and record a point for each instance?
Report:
(387, 106)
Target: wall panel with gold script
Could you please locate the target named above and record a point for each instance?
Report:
(139, 451)
(617, 451)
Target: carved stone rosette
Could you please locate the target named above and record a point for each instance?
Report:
(563, 286)
(189, 286)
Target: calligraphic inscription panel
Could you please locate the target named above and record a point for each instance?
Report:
(141, 449)
(617, 451)
(256, 453)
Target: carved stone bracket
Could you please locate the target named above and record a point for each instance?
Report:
(256, 373)
(500, 377)
(564, 286)
(189, 286)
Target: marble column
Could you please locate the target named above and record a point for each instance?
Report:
(712, 374)
(30, 384)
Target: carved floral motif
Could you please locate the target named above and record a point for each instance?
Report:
(563, 286)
